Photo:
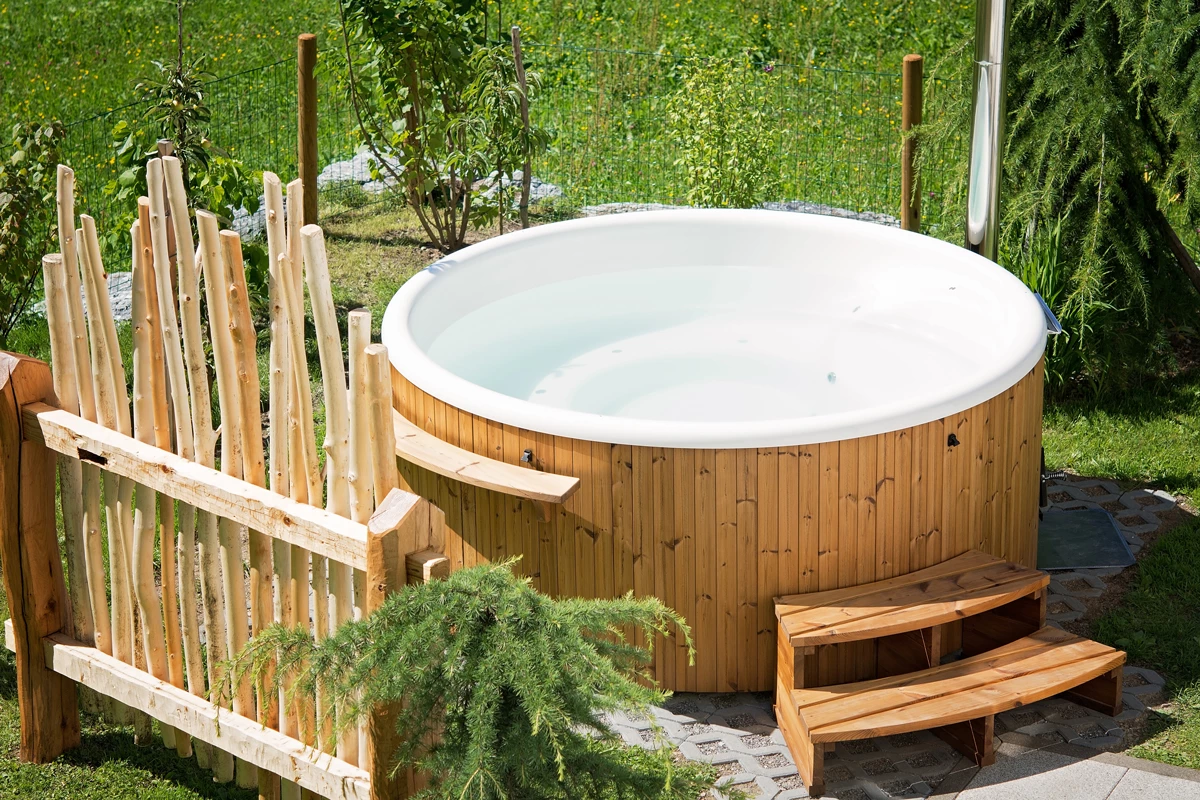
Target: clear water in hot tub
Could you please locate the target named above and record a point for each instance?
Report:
(703, 343)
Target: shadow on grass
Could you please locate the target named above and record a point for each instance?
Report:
(112, 747)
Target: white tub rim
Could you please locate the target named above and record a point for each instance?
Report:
(410, 360)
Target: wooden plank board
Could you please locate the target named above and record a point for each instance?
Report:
(919, 614)
(868, 479)
(902, 529)
(299, 524)
(245, 738)
(808, 473)
(787, 469)
(768, 562)
(426, 450)
(727, 554)
(684, 496)
(643, 525)
(583, 534)
(792, 604)
(885, 497)
(996, 695)
(978, 586)
(664, 554)
(747, 566)
(705, 625)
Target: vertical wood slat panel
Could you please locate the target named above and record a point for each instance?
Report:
(717, 534)
(747, 566)
(684, 496)
(664, 552)
(726, 596)
(768, 559)
(706, 625)
(643, 525)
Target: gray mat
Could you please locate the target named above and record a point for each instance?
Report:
(1087, 538)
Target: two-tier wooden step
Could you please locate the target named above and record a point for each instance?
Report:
(867, 660)
(974, 599)
(958, 701)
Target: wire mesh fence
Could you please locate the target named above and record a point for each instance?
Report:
(835, 134)
(253, 120)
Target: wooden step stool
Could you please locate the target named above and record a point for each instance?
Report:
(1009, 658)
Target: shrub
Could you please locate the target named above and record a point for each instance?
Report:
(717, 120)
(1103, 125)
(509, 683)
(430, 94)
(27, 217)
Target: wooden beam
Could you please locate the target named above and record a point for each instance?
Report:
(245, 738)
(399, 526)
(296, 523)
(426, 566)
(33, 573)
(426, 450)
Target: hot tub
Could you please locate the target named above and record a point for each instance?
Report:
(757, 403)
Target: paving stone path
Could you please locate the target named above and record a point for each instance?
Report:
(737, 732)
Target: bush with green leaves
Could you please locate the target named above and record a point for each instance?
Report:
(510, 684)
(216, 181)
(717, 118)
(28, 227)
(1104, 143)
(438, 108)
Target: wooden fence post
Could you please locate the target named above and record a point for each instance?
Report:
(33, 572)
(306, 106)
(398, 529)
(912, 97)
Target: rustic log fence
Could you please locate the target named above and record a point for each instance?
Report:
(199, 553)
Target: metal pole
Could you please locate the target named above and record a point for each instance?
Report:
(987, 127)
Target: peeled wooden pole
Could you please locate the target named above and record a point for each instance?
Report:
(384, 471)
(93, 548)
(382, 738)
(337, 431)
(228, 392)
(245, 352)
(107, 407)
(70, 472)
(144, 589)
(199, 437)
(113, 408)
(166, 513)
(279, 382)
(359, 476)
(177, 388)
(305, 478)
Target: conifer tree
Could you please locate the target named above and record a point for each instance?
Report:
(1103, 134)
(512, 686)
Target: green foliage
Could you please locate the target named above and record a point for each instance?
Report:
(511, 684)
(717, 118)
(1104, 119)
(1039, 266)
(215, 180)
(494, 94)
(428, 92)
(27, 217)
(177, 107)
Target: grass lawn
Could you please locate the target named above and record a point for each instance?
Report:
(1158, 624)
(107, 766)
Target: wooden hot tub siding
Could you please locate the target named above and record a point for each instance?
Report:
(717, 534)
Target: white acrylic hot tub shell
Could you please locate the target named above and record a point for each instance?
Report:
(714, 329)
